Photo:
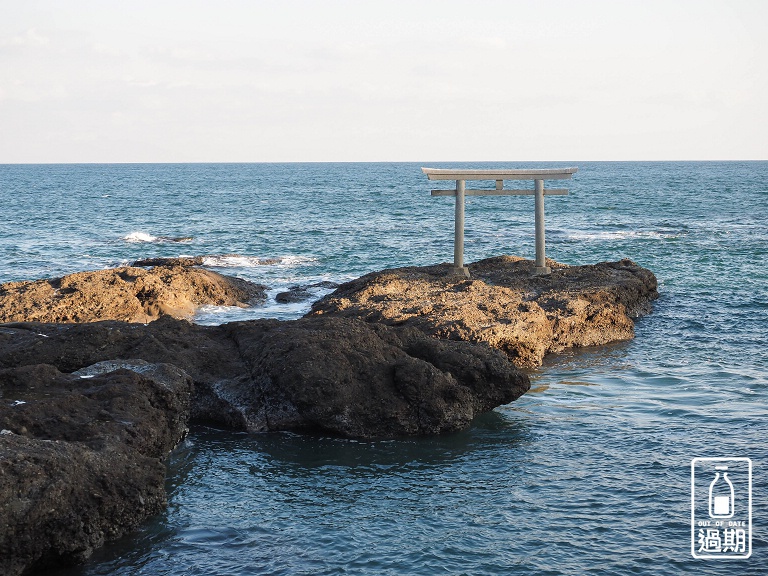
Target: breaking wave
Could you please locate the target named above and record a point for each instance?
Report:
(138, 236)
(622, 235)
(238, 261)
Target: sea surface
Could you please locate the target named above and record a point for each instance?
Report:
(588, 473)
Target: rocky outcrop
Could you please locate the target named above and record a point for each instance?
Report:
(504, 304)
(81, 458)
(341, 376)
(360, 380)
(130, 294)
(88, 412)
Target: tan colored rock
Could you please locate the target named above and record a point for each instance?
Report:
(129, 294)
(504, 304)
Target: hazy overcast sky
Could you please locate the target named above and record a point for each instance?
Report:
(370, 80)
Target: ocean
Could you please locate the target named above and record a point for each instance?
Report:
(588, 473)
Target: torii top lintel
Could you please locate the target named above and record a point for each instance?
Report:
(499, 174)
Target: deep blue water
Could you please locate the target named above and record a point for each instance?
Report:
(589, 473)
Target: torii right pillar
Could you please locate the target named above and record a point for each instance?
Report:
(541, 257)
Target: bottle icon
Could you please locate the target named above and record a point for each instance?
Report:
(721, 495)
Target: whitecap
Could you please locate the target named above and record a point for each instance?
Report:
(621, 235)
(139, 237)
(238, 261)
(296, 260)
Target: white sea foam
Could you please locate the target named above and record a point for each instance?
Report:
(139, 237)
(215, 315)
(296, 260)
(270, 308)
(621, 235)
(238, 261)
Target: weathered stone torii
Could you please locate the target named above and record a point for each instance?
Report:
(462, 175)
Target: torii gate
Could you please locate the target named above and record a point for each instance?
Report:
(462, 175)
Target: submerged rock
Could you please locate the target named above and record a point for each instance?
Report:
(130, 294)
(301, 293)
(293, 294)
(504, 304)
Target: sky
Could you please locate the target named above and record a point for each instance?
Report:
(371, 80)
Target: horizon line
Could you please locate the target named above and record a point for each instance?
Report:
(421, 162)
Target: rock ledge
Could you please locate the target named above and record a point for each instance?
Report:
(129, 293)
(504, 304)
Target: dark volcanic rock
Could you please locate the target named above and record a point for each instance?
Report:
(206, 353)
(504, 304)
(88, 412)
(303, 293)
(178, 261)
(293, 294)
(339, 375)
(355, 379)
(81, 459)
(129, 294)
